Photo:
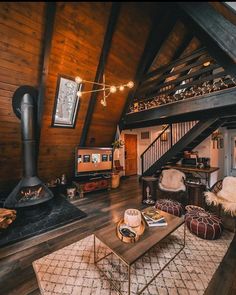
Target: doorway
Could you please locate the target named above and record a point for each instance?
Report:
(233, 154)
(130, 154)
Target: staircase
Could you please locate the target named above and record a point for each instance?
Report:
(169, 146)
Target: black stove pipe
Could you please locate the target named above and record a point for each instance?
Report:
(28, 136)
(30, 178)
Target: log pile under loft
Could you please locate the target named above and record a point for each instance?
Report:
(7, 216)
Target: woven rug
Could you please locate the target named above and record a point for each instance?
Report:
(71, 270)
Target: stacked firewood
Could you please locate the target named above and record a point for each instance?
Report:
(7, 216)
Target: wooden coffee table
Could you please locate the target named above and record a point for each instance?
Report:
(130, 253)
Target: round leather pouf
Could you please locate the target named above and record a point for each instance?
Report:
(170, 206)
(203, 224)
(189, 208)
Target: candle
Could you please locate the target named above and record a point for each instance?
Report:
(132, 217)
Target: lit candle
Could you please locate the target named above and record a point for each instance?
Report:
(132, 217)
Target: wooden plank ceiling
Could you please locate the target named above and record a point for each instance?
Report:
(77, 39)
(212, 70)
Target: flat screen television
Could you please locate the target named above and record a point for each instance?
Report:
(93, 160)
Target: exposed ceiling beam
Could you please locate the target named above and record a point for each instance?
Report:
(154, 90)
(46, 49)
(231, 127)
(162, 25)
(231, 124)
(209, 77)
(213, 30)
(163, 69)
(207, 105)
(114, 14)
(160, 35)
(231, 119)
(183, 46)
(161, 78)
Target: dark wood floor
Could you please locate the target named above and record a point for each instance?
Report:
(16, 272)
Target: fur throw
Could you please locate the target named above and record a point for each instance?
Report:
(228, 191)
(225, 197)
(172, 180)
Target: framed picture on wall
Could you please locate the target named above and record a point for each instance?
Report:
(145, 137)
(66, 102)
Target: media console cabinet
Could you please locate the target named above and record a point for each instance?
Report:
(93, 183)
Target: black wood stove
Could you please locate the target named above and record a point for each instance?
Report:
(30, 191)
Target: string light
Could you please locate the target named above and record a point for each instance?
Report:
(107, 89)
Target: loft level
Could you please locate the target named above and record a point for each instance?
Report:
(186, 90)
(214, 104)
(187, 77)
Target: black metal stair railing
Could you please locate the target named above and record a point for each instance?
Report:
(169, 136)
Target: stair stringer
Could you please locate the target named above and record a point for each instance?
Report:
(197, 134)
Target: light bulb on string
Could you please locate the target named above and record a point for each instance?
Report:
(79, 94)
(113, 89)
(78, 80)
(130, 84)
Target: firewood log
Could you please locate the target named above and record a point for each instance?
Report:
(7, 216)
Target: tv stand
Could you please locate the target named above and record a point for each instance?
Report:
(93, 182)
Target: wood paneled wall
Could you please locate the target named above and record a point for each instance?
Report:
(77, 40)
(21, 30)
(127, 47)
(76, 46)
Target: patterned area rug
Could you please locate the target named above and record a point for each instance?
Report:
(71, 270)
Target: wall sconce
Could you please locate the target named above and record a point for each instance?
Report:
(105, 88)
(218, 140)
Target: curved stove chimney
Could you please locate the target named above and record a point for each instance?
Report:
(30, 190)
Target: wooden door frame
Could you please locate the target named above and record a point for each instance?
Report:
(132, 134)
(232, 134)
(227, 150)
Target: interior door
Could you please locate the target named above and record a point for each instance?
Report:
(130, 154)
(233, 155)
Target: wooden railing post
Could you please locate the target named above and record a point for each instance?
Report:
(142, 163)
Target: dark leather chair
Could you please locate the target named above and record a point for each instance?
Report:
(180, 195)
(226, 209)
(118, 167)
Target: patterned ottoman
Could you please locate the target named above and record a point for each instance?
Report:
(170, 206)
(203, 224)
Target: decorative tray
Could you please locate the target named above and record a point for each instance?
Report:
(129, 234)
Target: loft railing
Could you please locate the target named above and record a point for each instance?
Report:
(194, 75)
(169, 136)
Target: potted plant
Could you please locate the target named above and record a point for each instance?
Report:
(117, 144)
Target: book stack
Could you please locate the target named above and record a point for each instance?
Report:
(153, 217)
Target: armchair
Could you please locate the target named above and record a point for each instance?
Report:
(171, 186)
(223, 195)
